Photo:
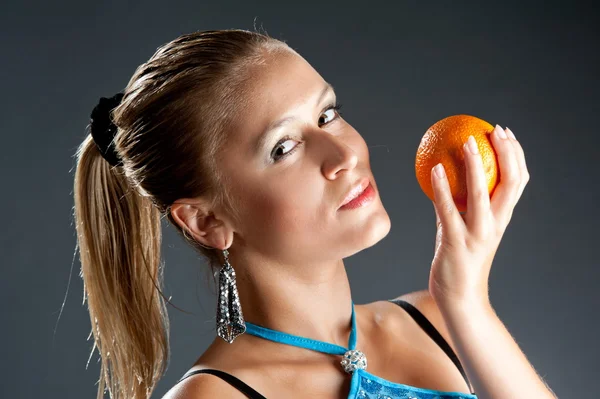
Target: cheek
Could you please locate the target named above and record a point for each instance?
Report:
(277, 213)
(284, 212)
(286, 226)
(361, 147)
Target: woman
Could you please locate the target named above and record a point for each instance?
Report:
(238, 141)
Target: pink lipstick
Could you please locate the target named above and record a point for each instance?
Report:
(363, 199)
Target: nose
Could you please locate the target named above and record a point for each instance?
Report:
(338, 154)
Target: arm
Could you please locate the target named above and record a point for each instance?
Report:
(490, 356)
(485, 348)
(465, 248)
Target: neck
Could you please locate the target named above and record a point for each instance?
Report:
(314, 302)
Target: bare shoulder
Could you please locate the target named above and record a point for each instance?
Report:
(424, 302)
(442, 371)
(202, 386)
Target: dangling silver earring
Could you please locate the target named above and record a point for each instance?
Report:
(230, 320)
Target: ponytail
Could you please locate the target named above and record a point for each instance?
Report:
(119, 239)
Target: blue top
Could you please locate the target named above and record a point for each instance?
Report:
(363, 384)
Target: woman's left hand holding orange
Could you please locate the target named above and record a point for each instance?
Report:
(467, 243)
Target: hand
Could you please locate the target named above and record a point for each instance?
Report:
(466, 243)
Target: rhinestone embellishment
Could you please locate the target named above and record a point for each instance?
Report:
(230, 319)
(353, 360)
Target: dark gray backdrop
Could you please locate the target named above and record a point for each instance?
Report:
(397, 69)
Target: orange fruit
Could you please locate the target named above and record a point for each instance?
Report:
(443, 142)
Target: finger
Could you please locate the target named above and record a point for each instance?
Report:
(478, 197)
(438, 228)
(452, 222)
(521, 161)
(505, 194)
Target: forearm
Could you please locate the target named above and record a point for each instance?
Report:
(494, 364)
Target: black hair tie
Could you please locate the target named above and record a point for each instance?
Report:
(104, 130)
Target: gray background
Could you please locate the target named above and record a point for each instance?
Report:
(396, 69)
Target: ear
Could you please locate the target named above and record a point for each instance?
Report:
(201, 223)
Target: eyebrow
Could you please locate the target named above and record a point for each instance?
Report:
(264, 136)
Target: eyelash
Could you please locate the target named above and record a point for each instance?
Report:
(287, 137)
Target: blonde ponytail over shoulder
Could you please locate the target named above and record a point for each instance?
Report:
(119, 235)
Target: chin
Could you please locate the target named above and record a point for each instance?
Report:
(376, 229)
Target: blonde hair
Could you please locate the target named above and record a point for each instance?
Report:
(171, 125)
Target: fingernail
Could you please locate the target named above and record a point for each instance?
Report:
(472, 145)
(500, 132)
(510, 133)
(439, 170)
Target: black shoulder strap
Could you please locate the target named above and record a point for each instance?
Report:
(433, 333)
(236, 382)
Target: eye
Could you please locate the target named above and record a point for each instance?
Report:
(336, 108)
(276, 158)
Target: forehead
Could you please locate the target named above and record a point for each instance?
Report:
(286, 84)
(284, 77)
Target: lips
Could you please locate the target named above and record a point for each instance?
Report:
(355, 191)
